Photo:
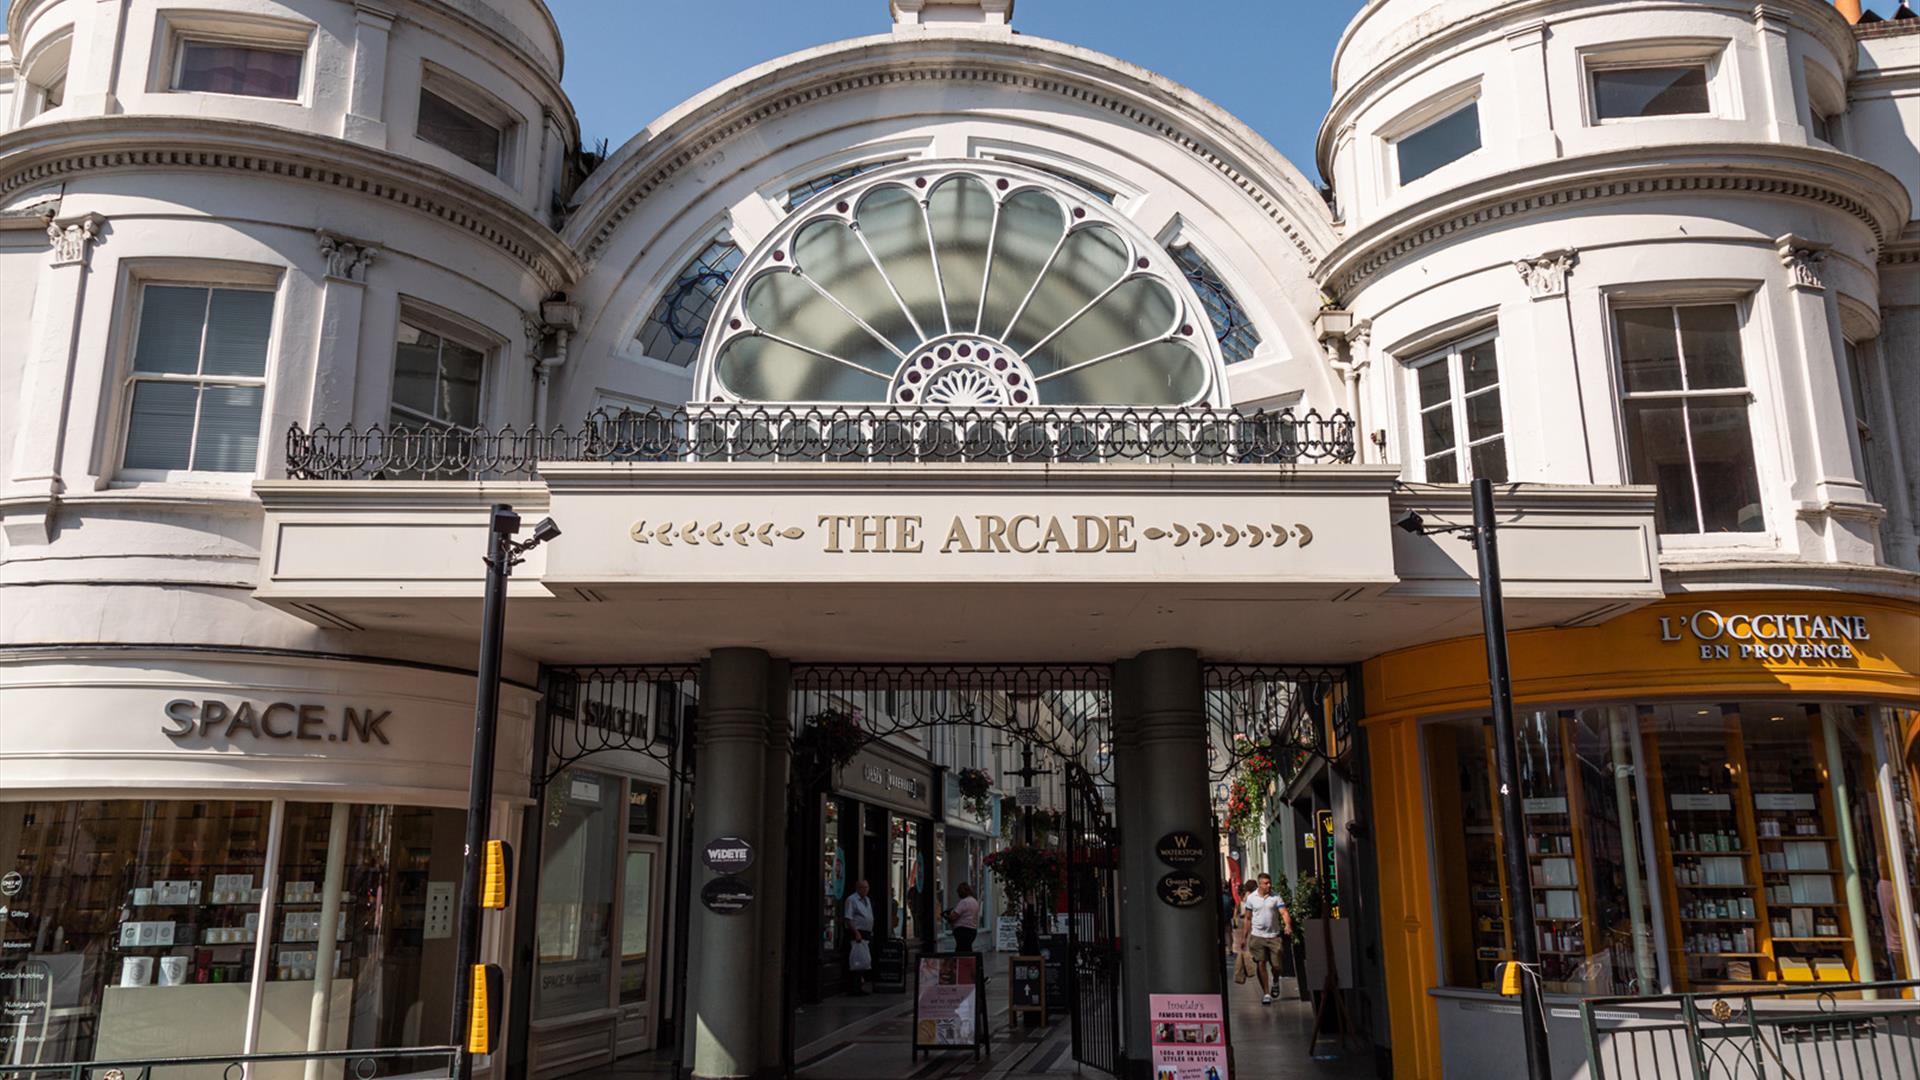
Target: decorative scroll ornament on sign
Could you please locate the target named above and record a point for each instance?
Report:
(745, 533)
(1229, 535)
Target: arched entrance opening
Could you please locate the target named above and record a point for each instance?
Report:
(1095, 765)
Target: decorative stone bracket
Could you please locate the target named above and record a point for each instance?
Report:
(71, 237)
(1546, 275)
(1804, 260)
(347, 260)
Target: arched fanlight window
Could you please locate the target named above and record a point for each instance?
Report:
(960, 284)
(807, 189)
(1232, 326)
(679, 320)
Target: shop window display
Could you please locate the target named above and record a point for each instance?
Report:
(575, 921)
(1590, 904)
(1695, 845)
(833, 874)
(134, 927)
(392, 874)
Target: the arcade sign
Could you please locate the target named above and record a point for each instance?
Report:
(1767, 636)
(215, 719)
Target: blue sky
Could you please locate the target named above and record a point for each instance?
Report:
(1266, 61)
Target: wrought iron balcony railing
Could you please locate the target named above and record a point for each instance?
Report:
(801, 433)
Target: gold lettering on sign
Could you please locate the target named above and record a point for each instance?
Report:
(883, 534)
(1033, 534)
(1030, 534)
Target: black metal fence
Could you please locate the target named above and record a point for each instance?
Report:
(1842, 1031)
(411, 1062)
(808, 433)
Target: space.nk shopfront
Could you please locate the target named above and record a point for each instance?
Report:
(1718, 789)
(240, 857)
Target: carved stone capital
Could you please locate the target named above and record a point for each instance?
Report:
(1546, 275)
(73, 236)
(1361, 338)
(347, 260)
(1804, 260)
(535, 329)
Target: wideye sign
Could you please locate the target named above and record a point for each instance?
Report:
(215, 718)
(1767, 635)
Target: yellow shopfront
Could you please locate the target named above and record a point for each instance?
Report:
(1719, 792)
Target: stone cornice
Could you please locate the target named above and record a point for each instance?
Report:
(47, 153)
(1848, 184)
(1497, 18)
(1904, 251)
(1154, 103)
(499, 29)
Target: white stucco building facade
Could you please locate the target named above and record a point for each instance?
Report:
(942, 346)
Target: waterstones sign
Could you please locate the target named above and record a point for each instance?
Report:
(1766, 636)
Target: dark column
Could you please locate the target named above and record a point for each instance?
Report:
(1160, 770)
(770, 905)
(726, 997)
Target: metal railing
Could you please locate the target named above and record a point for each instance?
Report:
(824, 433)
(410, 1062)
(1794, 1032)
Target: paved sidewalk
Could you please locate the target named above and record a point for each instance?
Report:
(869, 1038)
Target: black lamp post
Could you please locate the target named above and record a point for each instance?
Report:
(1506, 764)
(503, 554)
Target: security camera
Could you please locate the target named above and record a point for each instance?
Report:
(1410, 521)
(545, 531)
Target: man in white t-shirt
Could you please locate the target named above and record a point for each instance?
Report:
(858, 914)
(1268, 916)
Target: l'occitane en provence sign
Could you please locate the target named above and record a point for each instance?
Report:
(1769, 635)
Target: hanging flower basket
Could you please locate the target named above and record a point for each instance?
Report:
(1048, 822)
(1027, 874)
(1243, 814)
(832, 736)
(976, 792)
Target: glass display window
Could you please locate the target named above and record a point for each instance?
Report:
(577, 883)
(381, 948)
(1683, 846)
(1469, 868)
(833, 873)
(125, 910)
(636, 924)
(135, 927)
(906, 877)
(1591, 909)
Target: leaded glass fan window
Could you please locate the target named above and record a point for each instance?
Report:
(963, 284)
(679, 319)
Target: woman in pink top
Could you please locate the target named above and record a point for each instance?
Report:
(964, 918)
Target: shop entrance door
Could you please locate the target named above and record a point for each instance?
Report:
(639, 922)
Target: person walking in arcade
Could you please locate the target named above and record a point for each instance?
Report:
(1268, 918)
(858, 914)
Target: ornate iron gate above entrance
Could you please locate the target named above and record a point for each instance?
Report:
(1063, 709)
(1092, 842)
